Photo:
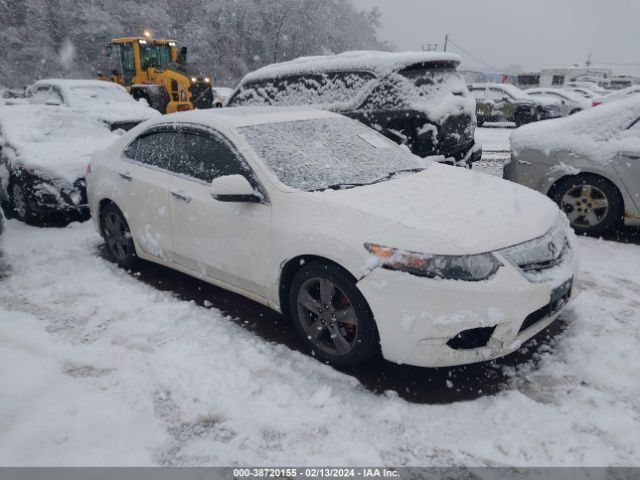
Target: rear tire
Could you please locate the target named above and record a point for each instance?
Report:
(117, 236)
(332, 316)
(592, 203)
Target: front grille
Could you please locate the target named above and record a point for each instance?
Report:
(201, 95)
(559, 298)
(540, 255)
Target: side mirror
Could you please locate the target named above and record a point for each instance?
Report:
(52, 102)
(233, 188)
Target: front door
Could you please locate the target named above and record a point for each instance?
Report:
(627, 163)
(226, 241)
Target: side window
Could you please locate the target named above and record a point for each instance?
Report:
(206, 157)
(157, 149)
(496, 94)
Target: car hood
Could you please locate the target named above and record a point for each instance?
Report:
(444, 210)
(54, 142)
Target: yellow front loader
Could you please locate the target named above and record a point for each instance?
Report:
(153, 69)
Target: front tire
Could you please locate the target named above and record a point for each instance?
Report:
(117, 236)
(592, 203)
(332, 316)
(20, 204)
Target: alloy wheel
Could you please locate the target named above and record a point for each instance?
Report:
(117, 236)
(19, 201)
(327, 316)
(585, 205)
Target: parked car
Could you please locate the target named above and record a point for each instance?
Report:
(414, 98)
(617, 95)
(105, 101)
(45, 145)
(589, 164)
(570, 102)
(591, 86)
(503, 102)
(320, 217)
(221, 95)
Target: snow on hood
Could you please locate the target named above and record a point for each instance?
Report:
(450, 209)
(53, 139)
(598, 133)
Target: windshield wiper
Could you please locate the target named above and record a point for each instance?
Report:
(341, 186)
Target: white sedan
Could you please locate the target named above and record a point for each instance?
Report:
(362, 244)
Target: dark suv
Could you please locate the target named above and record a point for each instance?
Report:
(414, 98)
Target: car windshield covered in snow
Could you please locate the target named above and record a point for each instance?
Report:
(319, 154)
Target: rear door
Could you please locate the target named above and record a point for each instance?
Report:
(143, 184)
(226, 241)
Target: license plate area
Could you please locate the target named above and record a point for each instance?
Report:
(559, 298)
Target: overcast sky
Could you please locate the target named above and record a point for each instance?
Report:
(533, 33)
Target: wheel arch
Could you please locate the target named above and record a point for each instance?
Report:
(553, 188)
(291, 267)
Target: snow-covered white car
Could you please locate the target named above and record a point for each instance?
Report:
(589, 164)
(570, 102)
(618, 95)
(359, 241)
(105, 101)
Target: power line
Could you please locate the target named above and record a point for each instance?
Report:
(472, 56)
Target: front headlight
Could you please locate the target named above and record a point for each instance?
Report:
(471, 268)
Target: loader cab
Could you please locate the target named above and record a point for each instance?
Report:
(135, 56)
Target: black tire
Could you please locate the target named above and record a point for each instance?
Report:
(117, 236)
(20, 203)
(347, 303)
(593, 204)
(520, 119)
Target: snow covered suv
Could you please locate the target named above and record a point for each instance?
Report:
(414, 98)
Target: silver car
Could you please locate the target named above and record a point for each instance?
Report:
(589, 164)
(570, 102)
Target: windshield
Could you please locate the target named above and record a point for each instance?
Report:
(154, 55)
(324, 153)
(106, 94)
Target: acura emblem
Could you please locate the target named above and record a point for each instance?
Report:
(552, 249)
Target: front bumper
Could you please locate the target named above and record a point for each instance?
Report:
(54, 196)
(419, 318)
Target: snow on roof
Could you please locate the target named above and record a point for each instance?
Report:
(245, 116)
(507, 87)
(597, 133)
(377, 62)
(68, 83)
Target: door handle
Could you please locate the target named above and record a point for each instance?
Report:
(181, 196)
(631, 156)
(125, 176)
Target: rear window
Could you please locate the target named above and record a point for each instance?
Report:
(328, 89)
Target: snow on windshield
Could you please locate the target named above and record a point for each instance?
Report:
(598, 133)
(106, 94)
(318, 153)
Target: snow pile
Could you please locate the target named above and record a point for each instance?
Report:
(598, 133)
(105, 370)
(54, 140)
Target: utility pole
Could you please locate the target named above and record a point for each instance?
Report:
(446, 40)
(588, 62)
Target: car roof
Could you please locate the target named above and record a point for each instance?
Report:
(374, 61)
(70, 83)
(236, 117)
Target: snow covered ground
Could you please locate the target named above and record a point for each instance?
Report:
(99, 368)
(494, 139)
